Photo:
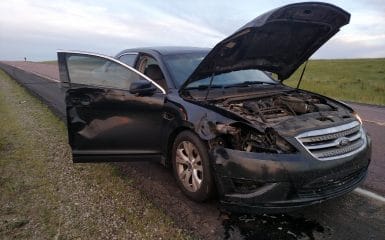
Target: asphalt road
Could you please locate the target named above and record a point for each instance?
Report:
(352, 216)
(374, 122)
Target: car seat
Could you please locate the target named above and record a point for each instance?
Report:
(153, 71)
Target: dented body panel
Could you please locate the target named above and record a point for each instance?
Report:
(99, 121)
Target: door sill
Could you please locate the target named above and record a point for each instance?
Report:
(90, 158)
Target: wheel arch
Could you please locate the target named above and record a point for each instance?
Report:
(170, 142)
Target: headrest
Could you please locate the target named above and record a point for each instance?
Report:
(153, 71)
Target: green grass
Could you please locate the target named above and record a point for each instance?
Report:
(357, 80)
(43, 195)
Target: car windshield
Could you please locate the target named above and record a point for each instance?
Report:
(241, 78)
(181, 67)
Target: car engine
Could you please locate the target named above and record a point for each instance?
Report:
(277, 108)
(267, 112)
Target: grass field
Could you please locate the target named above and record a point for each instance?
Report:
(356, 80)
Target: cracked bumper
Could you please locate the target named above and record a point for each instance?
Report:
(268, 183)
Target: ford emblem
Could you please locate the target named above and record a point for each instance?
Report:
(343, 141)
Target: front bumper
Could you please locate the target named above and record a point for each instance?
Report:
(270, 183)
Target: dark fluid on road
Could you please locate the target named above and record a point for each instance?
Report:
(263, 227)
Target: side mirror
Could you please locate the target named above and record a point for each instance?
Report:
(142, 88)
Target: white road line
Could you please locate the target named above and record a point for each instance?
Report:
(370, 194)
(44, 76)
(375, 122)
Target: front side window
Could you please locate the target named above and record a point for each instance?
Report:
(98, 71)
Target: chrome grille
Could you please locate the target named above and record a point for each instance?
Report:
(335, 142)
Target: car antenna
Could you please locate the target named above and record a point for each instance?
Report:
(209, 87)
(303, 71)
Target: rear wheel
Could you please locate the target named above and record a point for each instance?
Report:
(191, 166)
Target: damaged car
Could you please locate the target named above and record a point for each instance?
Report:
(218, 118)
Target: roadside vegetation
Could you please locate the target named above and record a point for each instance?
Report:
(43, 195)
(356, 80)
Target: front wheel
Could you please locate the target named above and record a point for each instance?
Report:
(191, 166)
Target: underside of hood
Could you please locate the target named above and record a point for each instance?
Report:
(278, 41)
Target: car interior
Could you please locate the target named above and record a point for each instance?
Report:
(149, 66)
(153, 71)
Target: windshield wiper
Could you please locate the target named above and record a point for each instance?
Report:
(247, 84)
(203, 87)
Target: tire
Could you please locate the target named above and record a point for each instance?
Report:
(191, 166)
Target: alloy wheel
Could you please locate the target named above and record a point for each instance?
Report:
(189, 166)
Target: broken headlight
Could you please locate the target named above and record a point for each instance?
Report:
(267, 142)
(226, 129)
(244, 138)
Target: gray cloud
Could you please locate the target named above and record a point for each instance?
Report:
(75, 25)
(36, 29)
(343, 49)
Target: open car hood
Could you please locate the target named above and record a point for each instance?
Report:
(278, 41)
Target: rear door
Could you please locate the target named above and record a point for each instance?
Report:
(105, 121)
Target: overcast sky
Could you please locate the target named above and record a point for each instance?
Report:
(37, 28)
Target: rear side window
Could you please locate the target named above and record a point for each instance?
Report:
(128, 59)
(97, 71)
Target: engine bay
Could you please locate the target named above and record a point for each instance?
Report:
(272, 116)
(274, 109)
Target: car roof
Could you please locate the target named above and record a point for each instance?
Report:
(167, 50)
